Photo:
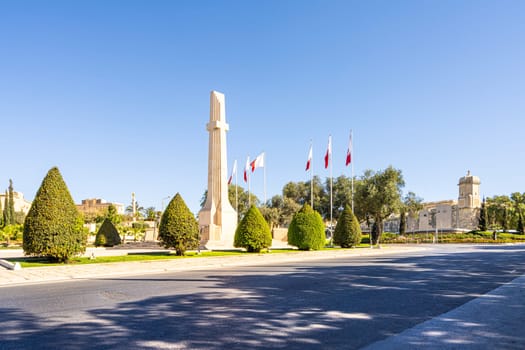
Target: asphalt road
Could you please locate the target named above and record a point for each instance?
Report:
(329, 304)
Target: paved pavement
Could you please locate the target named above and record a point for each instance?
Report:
(492, 321)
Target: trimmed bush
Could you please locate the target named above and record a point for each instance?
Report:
(107, 235)
(347, 232)
(178, 227)
(53, 226)
(306, 231)
(253, 232)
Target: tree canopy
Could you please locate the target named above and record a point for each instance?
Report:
(53, 226)
(306, 231)
(253, 232)
(378, 195)
(347, 232)
(107, 235)
(178, 227)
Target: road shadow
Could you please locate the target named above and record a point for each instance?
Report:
(329, 306)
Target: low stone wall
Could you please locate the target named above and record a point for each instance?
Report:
(280, 234)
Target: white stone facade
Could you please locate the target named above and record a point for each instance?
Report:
(20, 203)
(447, 215)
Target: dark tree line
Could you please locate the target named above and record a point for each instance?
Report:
(503, 213)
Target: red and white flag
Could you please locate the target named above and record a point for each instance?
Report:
(246, 169)
(309, 161)
(258, 162)
(234, 172)
(349, 151)
(328, 154)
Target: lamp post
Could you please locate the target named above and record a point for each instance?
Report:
(436, 224)
(162, 207)
(161, 212)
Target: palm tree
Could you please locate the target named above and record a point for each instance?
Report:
(139, 210)
(150, 213)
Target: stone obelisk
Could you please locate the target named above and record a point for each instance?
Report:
(217, 219)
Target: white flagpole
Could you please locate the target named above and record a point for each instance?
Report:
(247, 173)
(312, 177)
(264, 157)
(236, 191)
(331, 179)
(249, 197)
(352, 165)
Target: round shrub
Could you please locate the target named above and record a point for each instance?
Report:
(107, 235)
(178, 227)
(306, 231)
(347, 232)
(253, 232)
(53, 226)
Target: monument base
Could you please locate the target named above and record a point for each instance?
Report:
(215, 236)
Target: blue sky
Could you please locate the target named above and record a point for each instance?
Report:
(116, 93)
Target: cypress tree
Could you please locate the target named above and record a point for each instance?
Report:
(178, 227)
(347, 232)
(107, 235)
(306, 231)
(53, 226)
(6, 212)
(11, 204)
(112, 215)
(253, 232)
(483, 217)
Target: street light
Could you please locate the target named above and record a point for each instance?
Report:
(155, 223)
(162, 207)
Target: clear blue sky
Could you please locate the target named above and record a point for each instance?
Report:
(116, 93)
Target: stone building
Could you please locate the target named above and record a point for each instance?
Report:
(446, 215)
(97, 206)
(20, 203)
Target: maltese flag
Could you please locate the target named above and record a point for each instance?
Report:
(309, 161)
(246, 169)
(349, 151)
(258, 162)
(234, 172)
(328, 154)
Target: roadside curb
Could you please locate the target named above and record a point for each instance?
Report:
(10, 266)
(77, 272)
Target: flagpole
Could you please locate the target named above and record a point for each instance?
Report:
(312, 177)
(247, 178)
(352, 165)
(331, 182)
(264, 157)
(236, 191)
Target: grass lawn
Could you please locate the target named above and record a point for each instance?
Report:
(140, 256)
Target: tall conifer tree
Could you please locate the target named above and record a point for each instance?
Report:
(178, 227)
(6, 212)
(11, 203)
(53, 226)
(483, 216)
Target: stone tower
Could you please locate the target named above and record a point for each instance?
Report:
(469, 192)
(217, 219)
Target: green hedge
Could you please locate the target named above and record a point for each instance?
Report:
(306, 231)
(451, 237)
(107, 235)
(253, 232)
(53, 226)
